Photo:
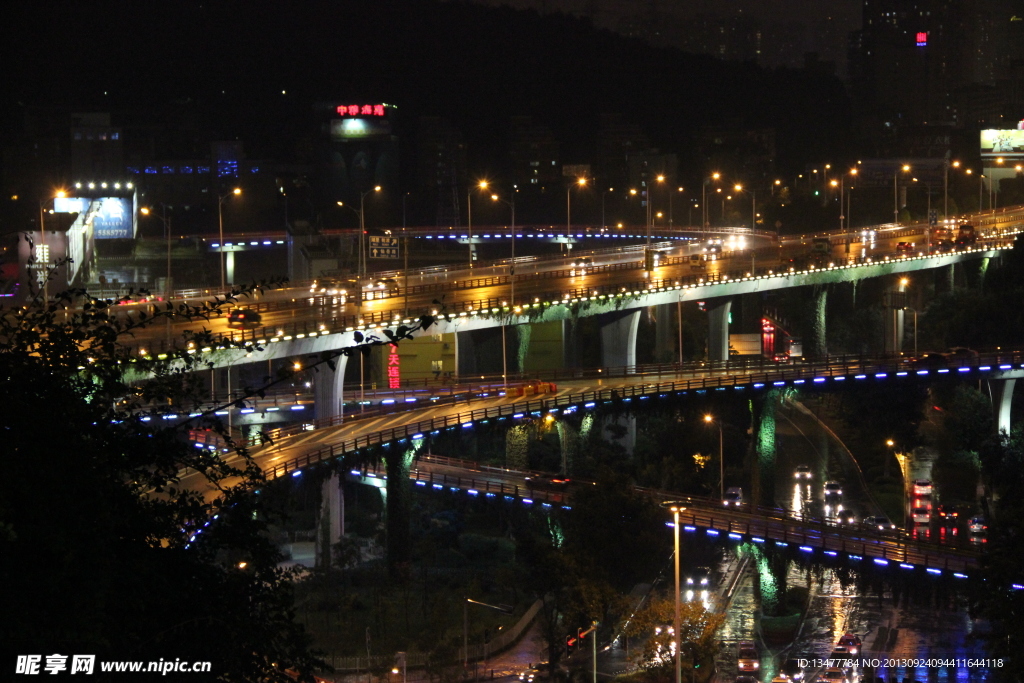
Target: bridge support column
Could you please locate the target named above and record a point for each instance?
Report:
(1002, 398)
(665, 344)
(398, 509)
(331, 526)
(328, 386)
(893, 319)
(465, 354)
(718, 329)
(229, 268)
(819, 342)
(618, 338)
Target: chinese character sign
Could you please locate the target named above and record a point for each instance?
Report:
(361, 110)
(394, 369)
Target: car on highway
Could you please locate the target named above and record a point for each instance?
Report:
(543, 481)
(904, 247)
(334, 286)
(880, 522)
(700, 577)
(923, 487)
(746, 679)
(747, 658)
(948, 514)
(802, 472)
(529, 675)
(921, 514)
(781, 678)
(697, 262)
(847, 518)
(733, 497)
(244, 317)
(851, 641)
(792, 669)
(583, 262)
(962, 355)
(833, 675)
(928, 361)
(977, 525)
(833, 489)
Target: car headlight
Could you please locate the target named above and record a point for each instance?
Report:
(689, 581)
(757, 665)
(703, 582)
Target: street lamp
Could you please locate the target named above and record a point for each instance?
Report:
(753, 205)
(945, 187)
(580, 182)
(469, 216)
(704, 198)
(675, 508)
(362, 232)
(895, 194)
(220, 228)
(512, 281)
(167, 230)
(603, 194)
(710, 419)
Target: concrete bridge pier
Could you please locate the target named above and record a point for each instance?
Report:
(819, 344)
(718, 329)
(331, 525)
(1001, 391)
(328, 388)
(894, 302)
(618, 338)
(666, 349)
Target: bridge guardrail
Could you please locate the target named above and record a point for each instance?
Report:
(774, 523)
(300, 329)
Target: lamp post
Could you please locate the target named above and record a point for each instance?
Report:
(362, 233)
(704, 199)
(895, 194)
(675, 508)
(753, 205)
(580, 182)
(604, 225)
(710, 419)
(167, 233)
(981, 178)
(512, 282)
(220, 229)
(469, 215)
(405, 254)
(504, 609)
(945, 187)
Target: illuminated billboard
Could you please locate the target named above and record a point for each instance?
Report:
(1008, 144)
(115, 219)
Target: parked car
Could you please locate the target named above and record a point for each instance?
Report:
(733, 497)
(244, 317)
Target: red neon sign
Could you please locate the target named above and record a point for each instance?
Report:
(922, 38)
(394, 369)
(360, 110)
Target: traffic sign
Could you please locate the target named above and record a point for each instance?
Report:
(383, 247)
(383, 252)
(377, 241)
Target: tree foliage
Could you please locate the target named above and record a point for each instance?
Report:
(698, 628)
(102, 550)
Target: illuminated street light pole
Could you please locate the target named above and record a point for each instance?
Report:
(895, 194)
(753, 205)
(362, 235)
(721, 461)
(220, 229)
(512, 282)
(675, 509)
(469, 216)
(580, 182)
(704, 199)
(945, 188)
